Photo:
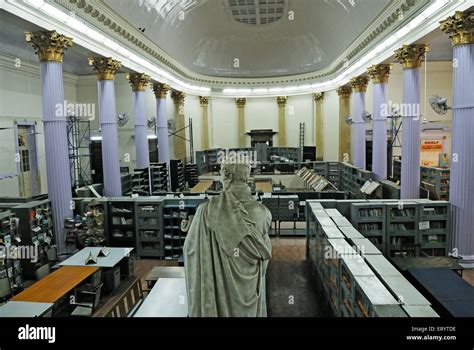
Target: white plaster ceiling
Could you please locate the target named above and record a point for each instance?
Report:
(207, 36)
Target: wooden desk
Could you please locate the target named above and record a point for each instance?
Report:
(56, 285)
(163, 272)
(202, 186)
(264, 186)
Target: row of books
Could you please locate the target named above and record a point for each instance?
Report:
(370, 212)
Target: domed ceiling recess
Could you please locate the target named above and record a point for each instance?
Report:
(251, 38)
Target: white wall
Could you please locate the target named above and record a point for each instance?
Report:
(20, 99)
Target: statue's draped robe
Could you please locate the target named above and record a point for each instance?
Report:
(226, 253)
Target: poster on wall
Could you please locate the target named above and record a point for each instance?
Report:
(430, 151)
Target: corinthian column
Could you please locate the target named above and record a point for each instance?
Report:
(281, 100)
(106, 69)
(344, 93)
(50, 47)
(241, 120)
(319, 126)
(160, 91)
(139, 81)
(411, 58)
(359, 85)
(180, 132)
(460, 29)
(379, 75)
(204, 101)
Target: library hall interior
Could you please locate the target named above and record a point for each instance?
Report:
(236, 158)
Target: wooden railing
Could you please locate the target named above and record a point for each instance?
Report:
(128, 302)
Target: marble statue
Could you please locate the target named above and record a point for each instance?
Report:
(227, 250)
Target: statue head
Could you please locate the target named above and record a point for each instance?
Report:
(235, 169)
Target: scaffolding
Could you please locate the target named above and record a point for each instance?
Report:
(78, 137)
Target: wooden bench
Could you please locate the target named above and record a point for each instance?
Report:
(129, 301)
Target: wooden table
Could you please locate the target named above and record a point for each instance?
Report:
(264, 186)
(54, 286)
(202, 186)
(163, 272)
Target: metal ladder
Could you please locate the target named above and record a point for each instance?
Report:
(301, 141)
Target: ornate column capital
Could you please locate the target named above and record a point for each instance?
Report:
(411, 56)
(160, 90)
(460, 28)
(204, 101)
(105, 67)
(359, 84)
(138, 81)
(379, 73)
(49, 45)
(240, 102)
(318, 96)
(177, 96)
(281, 100)
(344, 91)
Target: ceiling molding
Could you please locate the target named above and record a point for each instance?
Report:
(105, 19)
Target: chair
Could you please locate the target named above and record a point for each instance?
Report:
(5, 290)
(88, 301)
(42, 272)
(95, 281)
(52, 256)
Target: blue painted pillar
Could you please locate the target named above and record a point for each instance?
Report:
(461, 189)
(106, 67)
(160, 91)
(139, 81)
(411, 58)
(50, 47)
(359, 85)
(379, 75)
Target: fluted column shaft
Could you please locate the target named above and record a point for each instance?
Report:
(56, 148)
(461, 190)
(180, 132)
(110, 142)
(319, 126)
(344, 93)
(359, 130)
(281, 100)
(162, 131)
(241, 121)
(141, 127)
(379, 138)
(410, 179)
(204, 101)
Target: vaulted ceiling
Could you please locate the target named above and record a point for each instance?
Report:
(251, 38)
